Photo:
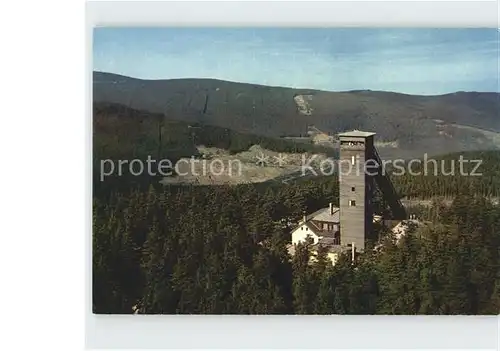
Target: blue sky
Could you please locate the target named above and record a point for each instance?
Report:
(414, 61)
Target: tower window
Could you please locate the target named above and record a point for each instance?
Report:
(353, 188)
(352, 203)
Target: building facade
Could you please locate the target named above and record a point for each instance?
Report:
(324, 223)
(356, 187)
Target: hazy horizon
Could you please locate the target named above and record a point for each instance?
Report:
(305, 88)
(409, 61)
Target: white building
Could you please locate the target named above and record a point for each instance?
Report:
(323, 227)
(324, 223)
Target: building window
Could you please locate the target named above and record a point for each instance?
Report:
(353, 188)
(307, 229)
(352, 203)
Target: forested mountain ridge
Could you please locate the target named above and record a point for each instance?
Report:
(445, 123)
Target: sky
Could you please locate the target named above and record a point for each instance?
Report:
(412, 61)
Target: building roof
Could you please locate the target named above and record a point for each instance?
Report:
(326, 215)
(321, 232)
(356, 133)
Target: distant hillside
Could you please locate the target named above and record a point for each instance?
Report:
(408, 124)
(120, 132)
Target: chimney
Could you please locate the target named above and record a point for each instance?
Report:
(353, 251)
(304, 217)
(331, 208)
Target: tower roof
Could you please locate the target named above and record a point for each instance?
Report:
(356, 133)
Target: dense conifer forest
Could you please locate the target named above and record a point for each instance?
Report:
(222, 250)
(480, 174)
